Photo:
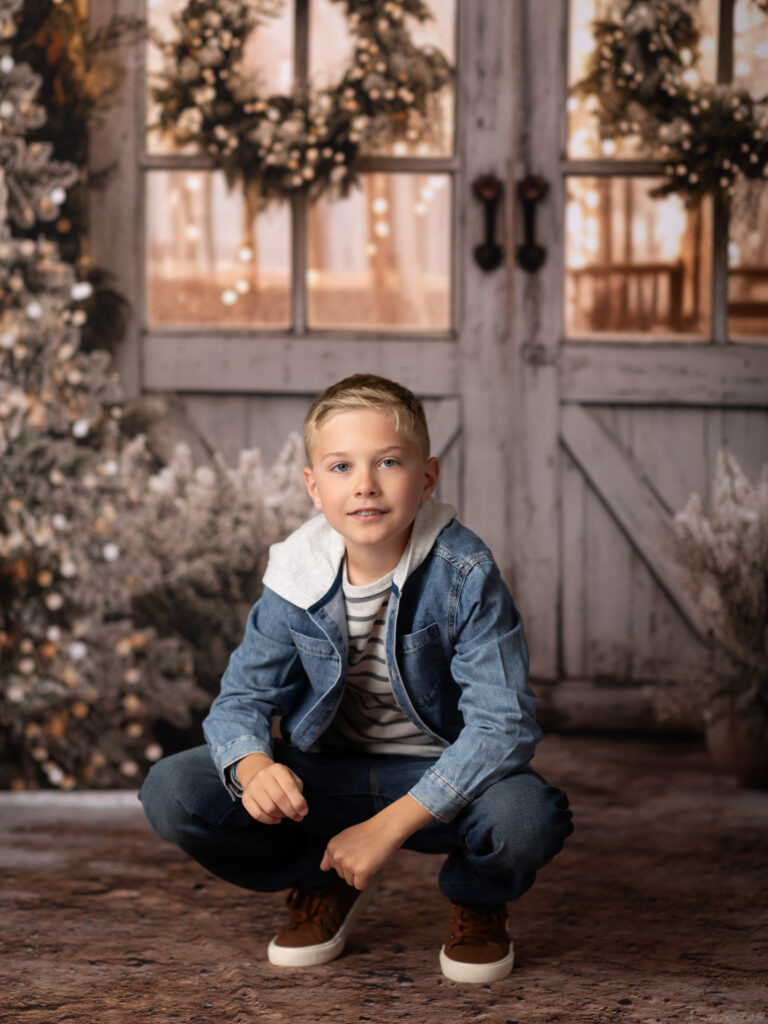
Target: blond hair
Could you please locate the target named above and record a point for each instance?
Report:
(367, 391)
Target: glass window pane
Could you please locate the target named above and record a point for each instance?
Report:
(583, 135)
(267, 59)
(381, 257)
(635, 265)
(331, 50)
(208, 262)
(748, 263)
(750, 47)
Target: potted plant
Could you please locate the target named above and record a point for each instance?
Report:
(724, 556)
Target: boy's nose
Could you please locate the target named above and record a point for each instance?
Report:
(366, 484)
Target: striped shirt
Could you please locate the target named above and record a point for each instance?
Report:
(369, 716)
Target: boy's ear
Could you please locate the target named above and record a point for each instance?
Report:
(309, 480)
(431, 476)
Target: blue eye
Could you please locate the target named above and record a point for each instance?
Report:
(340, 467)
(390, 462)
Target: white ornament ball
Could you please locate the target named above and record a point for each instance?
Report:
(54, 773)
(111, 552)
(81, 290)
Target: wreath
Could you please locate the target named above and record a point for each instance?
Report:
(642, 73)
(280, 146)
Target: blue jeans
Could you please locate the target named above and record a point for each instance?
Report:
(495, 846)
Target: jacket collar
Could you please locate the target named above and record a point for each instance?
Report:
(303, 568)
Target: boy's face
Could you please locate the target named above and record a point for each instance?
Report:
(368, 480)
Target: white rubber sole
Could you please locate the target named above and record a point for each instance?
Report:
(322, 952)
(477, 974)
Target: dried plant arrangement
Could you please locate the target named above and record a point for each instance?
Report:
(724, 555)
(197, 544)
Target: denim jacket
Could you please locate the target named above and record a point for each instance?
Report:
(457, 659)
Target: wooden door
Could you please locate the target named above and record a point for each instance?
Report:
(620, 408)
(574, 407)
(249, 386)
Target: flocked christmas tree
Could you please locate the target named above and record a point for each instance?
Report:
(77, 679)
(97, 542)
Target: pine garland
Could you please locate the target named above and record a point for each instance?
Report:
(280, 146)
(642, 74)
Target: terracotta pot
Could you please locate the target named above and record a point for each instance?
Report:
(739, 749)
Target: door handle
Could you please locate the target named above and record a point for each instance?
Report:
(530, 191)
(489, 190)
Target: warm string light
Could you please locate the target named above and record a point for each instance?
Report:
(241, 286)
(193, 184)
(380, 208)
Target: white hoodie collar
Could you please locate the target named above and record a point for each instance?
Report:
(302, 568)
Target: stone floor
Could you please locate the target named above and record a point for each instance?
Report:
(654, 913)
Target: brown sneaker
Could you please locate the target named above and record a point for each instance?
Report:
(319, 925)
(477, 947)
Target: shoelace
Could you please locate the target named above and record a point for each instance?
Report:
(304, 907)
(467, 924)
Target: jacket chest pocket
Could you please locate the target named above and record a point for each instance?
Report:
(316, 654)
(422, 663)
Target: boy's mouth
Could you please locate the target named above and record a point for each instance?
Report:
(367, 513)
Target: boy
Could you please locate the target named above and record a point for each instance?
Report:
(390, 650)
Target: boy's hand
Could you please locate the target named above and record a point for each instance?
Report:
(357, 853)
(271, 791)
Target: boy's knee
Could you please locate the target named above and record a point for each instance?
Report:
(183, 788)
(523, 822)
(158, 798)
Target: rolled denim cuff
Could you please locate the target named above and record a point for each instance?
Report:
(438, 796)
